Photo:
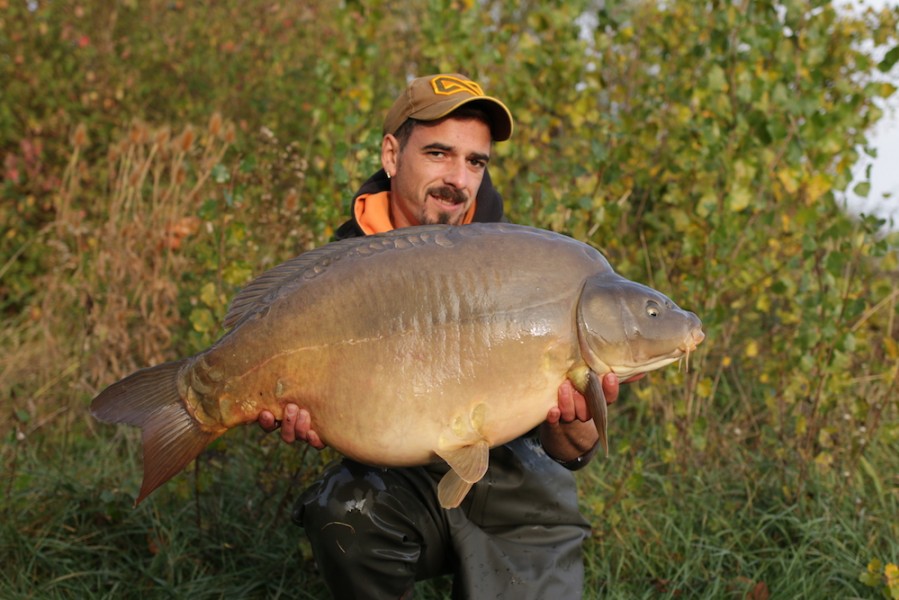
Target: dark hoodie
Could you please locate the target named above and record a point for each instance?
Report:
(488, 206)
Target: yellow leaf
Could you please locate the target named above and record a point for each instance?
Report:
(824, 461)
(739, 198)
(817, 186)
(874, 566)
(788, 178)
(752, 349)
(707, 204)
(208, 295)
(680, 218)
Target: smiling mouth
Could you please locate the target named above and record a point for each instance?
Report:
(446, 204)
(447, 196)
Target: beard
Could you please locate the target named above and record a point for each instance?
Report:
(445, 193)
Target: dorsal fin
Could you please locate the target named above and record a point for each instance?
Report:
(269, 286)
(265, 288)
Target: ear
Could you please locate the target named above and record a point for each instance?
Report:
(390, 149)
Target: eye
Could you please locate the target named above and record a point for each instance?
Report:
(653, 309)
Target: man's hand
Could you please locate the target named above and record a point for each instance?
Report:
(572, 405)
(568, 432)
(297, 425)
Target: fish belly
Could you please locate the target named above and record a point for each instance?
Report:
(394, 399)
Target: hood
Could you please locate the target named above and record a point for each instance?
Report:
(488, 207)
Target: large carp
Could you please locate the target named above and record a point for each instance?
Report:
(426, 343)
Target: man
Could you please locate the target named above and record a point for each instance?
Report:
(518, 533)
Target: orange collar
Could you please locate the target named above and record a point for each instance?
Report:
(372, 213)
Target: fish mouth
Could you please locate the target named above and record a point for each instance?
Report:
(681, 352)
(692, 341)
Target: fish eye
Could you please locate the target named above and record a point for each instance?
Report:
(652, 308)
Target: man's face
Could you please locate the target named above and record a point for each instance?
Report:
(436, 176)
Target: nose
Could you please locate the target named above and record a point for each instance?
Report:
(457, 174)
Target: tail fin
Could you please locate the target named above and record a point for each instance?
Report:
(149, 399)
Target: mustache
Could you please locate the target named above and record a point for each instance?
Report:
(447, 193)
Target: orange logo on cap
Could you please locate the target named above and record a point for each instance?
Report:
(446, 86)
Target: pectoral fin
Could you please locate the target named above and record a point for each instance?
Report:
(452, 490)
(469, 462)
(596, 400)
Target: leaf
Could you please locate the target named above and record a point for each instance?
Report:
(890, 59)
(220, 173)
(717, 80)
(739, 198)
(886, 89)
(752, 349)
(209, 295)
(789, 179)
(202, 320)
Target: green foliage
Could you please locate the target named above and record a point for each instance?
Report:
(882, 577)
(157, 155)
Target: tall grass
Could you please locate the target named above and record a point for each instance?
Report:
(730, 531)
(222, 530)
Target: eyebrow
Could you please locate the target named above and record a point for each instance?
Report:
(448, 148)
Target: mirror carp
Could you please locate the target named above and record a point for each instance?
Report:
(421, 344)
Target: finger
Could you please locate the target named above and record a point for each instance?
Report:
(315, 441)
(288, 427)
(610, 387)
(266, 421)
(553, 416)
(581, 410)
(566, 402)
(304, 423)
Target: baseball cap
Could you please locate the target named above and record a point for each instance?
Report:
(435, 96)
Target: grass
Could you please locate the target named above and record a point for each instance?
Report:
(69, 529)
(729, 527)
(723, 529)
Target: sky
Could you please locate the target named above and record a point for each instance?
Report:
(885, 138)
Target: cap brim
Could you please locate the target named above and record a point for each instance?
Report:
(500, 117)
